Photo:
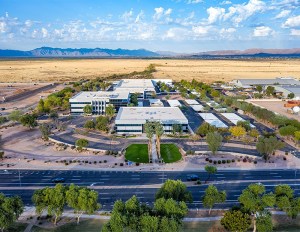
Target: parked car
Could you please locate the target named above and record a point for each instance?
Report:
(192, 177)
(58, 180)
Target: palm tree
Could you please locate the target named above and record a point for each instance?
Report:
(159, 131)
(110, 111)
(149, 129)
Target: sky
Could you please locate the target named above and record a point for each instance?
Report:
(182, 26)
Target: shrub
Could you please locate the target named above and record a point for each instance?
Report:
(137, 164)
(244, 160)
(215, 162)
(116, 164)
(255, 162)
(239, 160)
(286, 152)
(223, 161)
(207, 159)
(105, 161)
(228, 161)
(210, 161)
(284, 158)
(198, 182)
(233, 160)
(95, 162)
(121, 164)
(219, 161)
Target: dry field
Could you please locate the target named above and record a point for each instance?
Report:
(204, 70)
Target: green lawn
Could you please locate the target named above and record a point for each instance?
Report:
(170, 153)
(137, 153)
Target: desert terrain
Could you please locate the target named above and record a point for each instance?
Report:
(59, 70)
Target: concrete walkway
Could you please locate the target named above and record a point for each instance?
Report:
(154, 151)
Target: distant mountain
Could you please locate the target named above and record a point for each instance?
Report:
(255, 52)
(80, 52)
(142, 53)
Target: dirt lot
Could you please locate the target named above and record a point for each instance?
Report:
(276, 106)
(9, 89)
(205, 70)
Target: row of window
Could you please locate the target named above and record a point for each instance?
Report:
(124, 131)
(80, 103)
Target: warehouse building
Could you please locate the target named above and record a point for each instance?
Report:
(250, 83)
(131, 120)
(284, 91)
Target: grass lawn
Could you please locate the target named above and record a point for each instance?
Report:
(170, 153)
(137, 153)
(94, 225)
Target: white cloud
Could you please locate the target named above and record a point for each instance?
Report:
(2, 27)
(241, 12)
(176, 33)
(226, 3)
(44, 32)
(262, 31)
(127, 16)
(292, 22)
(194, 1)
(159, 12)
(214, 13)
(200, 30)
(162, 14)
(295, 32)
(227, 30)
(283, 14)
(140, 17)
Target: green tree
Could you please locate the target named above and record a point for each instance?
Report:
(254, 199)
(254, 133)
(170, 208)
(90, 124)
(176, 129)
(134, 99)
(176, 190)
(212, 196)
(245, 124)
(53, 115)
(297, 136)
(159, 131)
(10, 210)
(259, 88)
(286, 201)
(15, 115)
(205, 128)
(51, 199)
(236, 221)
(288, 130)
(45, 130)
(210, 170)
(102, 123)
(87, 109)
(149, 128)
(214, 141)
(110, 111)
(28, 120)
(82, 143)
(149, 223)
(82, 200)
(270, 90)
(264, 222)
(215, 93)
(41, 108)
(291, 95)
(266, 146)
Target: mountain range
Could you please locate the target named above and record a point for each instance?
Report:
(49, 52)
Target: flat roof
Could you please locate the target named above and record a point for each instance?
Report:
(293, 89)
(90, 96)
(139, 115)
(212, 120)
(280, 81)
(136, 85)
(191, 102)
(197, 107)
(174, 103)
(234, 118)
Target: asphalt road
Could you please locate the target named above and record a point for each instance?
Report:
(109, 183)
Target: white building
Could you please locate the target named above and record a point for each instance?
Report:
(98, 101)
(131, 120)
(119, 97)
(250, 83)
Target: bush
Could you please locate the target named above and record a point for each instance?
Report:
(116, 164)
(198, 182)
(223, 161)
(215, 162)
(255, 162)
(207, 159)
(95, 162)
(210, 161)
(137, 164)
(105, 161)
(219, 161)
(121, 164)
(233, 160)
(228, 161)
(286, 153)
(244, 160)
(284, 158)
(239, 160)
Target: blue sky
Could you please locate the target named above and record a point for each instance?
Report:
(158, 25)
